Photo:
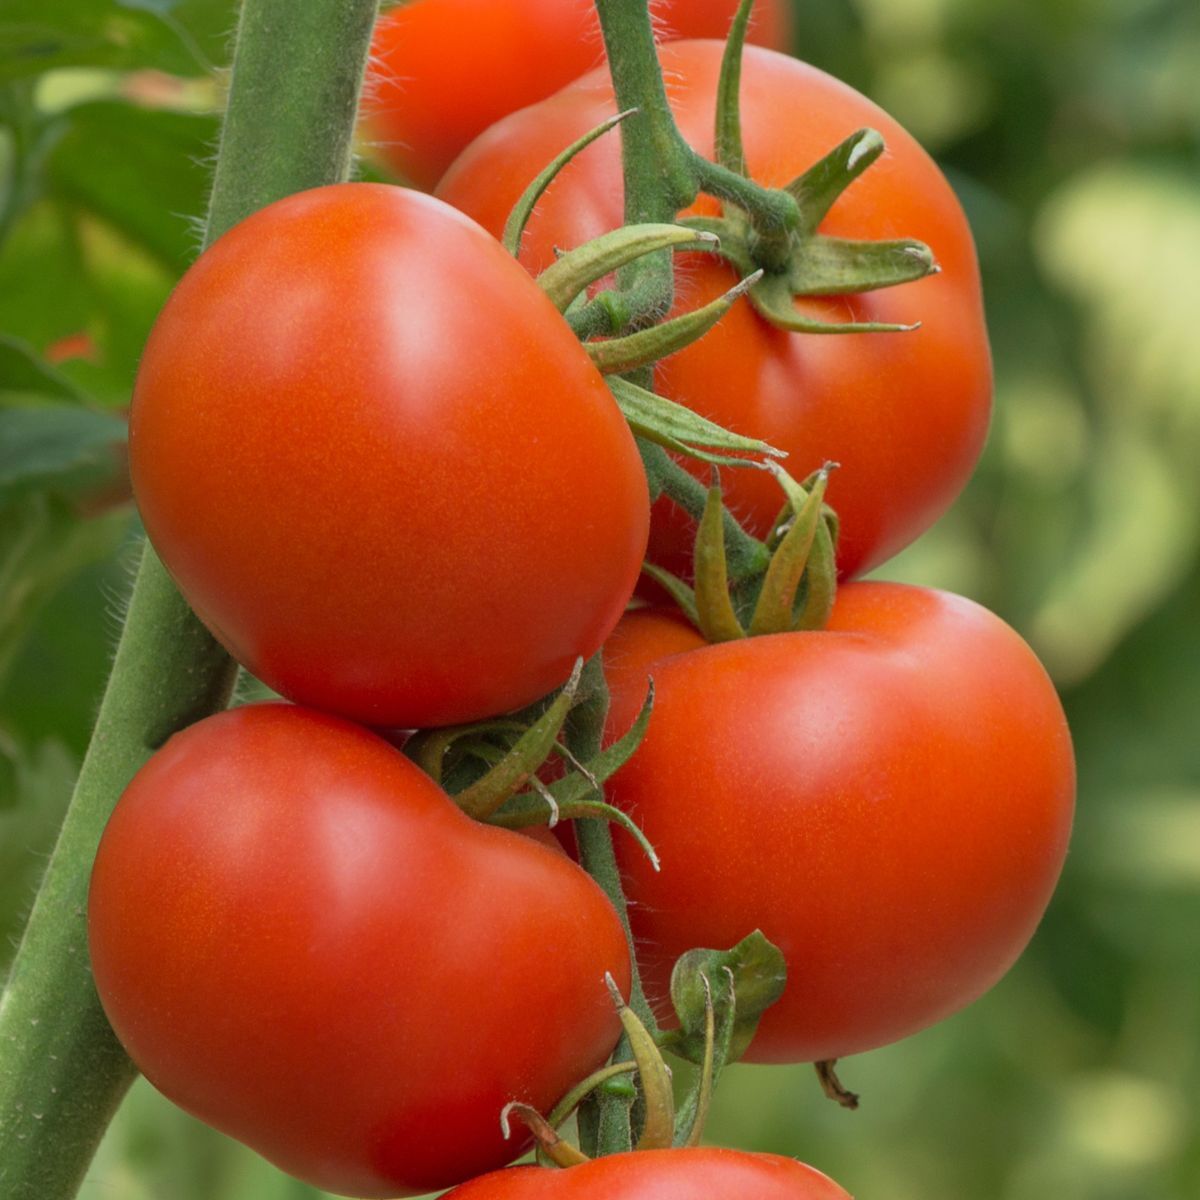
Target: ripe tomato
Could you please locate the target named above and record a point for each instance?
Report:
(380, 466)
(301, 940)
(904, 413)
(442, 71)
(888, 800)
(694, 1174)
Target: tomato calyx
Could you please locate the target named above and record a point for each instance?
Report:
(796, 259)
(719, 996)
(490, 768)
(793, 591)
(566, 283)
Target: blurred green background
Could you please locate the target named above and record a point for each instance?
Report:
(1071, 129)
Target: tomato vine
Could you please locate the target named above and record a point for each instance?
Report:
(297, 72)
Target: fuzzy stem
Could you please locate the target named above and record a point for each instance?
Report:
(604, 1119)
(296, 78)
(746, 555)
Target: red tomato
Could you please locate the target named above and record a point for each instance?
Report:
(697, 1174)
(889, 800)
(380, 466)
(301, 940)
(442, 71)
(904, 413)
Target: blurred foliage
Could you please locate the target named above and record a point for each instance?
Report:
(1071, 129)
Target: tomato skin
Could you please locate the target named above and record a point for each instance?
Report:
(905, 414)
(889, 800)
(380, 466)
(301, 940)
(692, 1174)
(442, 71)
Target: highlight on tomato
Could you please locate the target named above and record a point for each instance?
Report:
(905, 413)
(888, 800)
(682, 1174)
(300, 939)
(442, 71)
(379, 465)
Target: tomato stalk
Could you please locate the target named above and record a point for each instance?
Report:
(663, 174)
(604, 1119)
(297, 72)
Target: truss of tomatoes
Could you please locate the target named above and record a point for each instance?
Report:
(386, 475)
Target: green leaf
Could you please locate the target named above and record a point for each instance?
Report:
(182, 37)
(42, 544)
(759, 974)
(60, 446)
(35, 785)
(25, 377)
(48, 438)
(139, 170)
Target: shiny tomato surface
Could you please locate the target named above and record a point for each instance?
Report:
(905, 414)
(442, 71)
(693, 1174)
(301, 940)
(379, 464)
(888, 800)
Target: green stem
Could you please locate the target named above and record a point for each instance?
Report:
(662, 173)
(746, 556)
(604, 1122)
(296, 78)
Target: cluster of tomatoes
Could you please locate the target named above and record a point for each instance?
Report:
(389, 478)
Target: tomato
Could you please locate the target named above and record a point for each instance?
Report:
(380, 466)
(442, 71)
(888, 800)
(904, 413)
(693, 1174)
(301, 940)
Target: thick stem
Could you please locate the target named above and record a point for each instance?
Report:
(659, 175)
(294, 92)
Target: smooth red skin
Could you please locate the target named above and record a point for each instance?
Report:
(301, 940)
(889, 800)
(693, 1174)
(442, 71)
(380, 466)
(905, 414)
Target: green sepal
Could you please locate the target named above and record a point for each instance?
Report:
(758, 973)
(817, 188)
(677, 428)
(772, 298)
(428, 747)
(728, 150)
(773, 612)
(616, 356)
(563, 280)
(658, 1097)
(578, 795)
(560, 1152)
(714, 609)
(514, 227)
(679, 591)
(718, 1040)
(613, 1078)
(510, 773)
(523, 812)
(828, 266)
(821, 591)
